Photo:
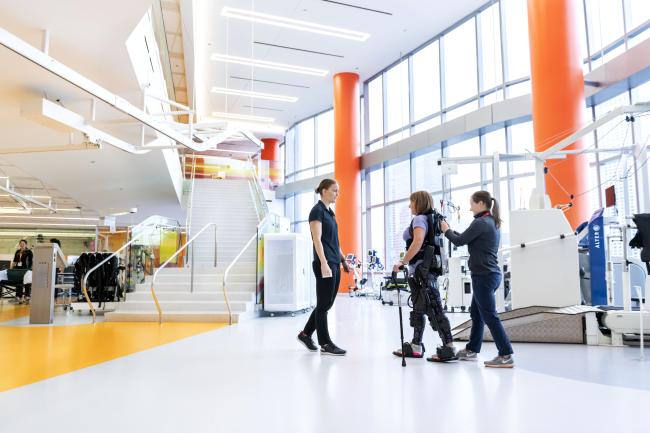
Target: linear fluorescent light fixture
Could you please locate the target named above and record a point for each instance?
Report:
(268, 65)
(305, 26)
(247, 117)
(259, 95)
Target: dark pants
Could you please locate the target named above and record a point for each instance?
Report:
(483, 311)
(326, 289)
(431, 305)
(23, 290)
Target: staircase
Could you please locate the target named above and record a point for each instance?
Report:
(230, 204)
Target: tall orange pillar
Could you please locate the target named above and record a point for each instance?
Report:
(271, 153)
(347, 165)
(558, 99)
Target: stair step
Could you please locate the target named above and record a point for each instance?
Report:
(185, 306)
(198, 286)
(175, 316)
(213, 296)
(200, 278)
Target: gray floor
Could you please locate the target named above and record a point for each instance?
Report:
(254, 377)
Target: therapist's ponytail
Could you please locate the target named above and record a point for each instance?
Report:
(491, 203)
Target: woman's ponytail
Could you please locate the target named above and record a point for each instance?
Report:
(496, 214)
(490, 203)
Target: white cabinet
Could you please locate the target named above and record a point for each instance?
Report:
(289, 283)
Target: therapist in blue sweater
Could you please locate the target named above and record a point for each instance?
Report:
(482, 240)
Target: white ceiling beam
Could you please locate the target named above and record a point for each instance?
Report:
(22, 48)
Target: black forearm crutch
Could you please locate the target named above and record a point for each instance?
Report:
(399, 307)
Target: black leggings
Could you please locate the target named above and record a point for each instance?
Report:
(326, 290)
(437, 317)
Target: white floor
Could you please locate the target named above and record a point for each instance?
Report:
(254, 377)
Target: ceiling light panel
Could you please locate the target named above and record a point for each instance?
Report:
(269, 65)
(306, 26)
(247, 117)
(258, 95)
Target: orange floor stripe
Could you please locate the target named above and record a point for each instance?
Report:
(12, 312)
(34, 353)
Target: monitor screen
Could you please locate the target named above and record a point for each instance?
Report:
(610, 196)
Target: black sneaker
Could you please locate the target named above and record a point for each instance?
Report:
(331, 349)
(307, 341)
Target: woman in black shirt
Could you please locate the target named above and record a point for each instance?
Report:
(328, 259)
(23, 257)
(482, 240)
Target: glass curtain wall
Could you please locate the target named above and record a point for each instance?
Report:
(479, 61)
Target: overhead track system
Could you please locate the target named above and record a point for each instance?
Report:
(183, 134)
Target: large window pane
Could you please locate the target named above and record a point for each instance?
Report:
(305, 144)
(494, 142)
(397, 96)
(289, 208)
(460, 63)
(325, 137)
(462, 110)
(605, 22)
(304, 202)
(375, 109)
(427, 124)
(398, 180)
(522, 141)
(522, 188)
(467, 173)
(490, 44)
(398, 217)
(615, 133)
(426, 172)
(637, 12)
(376, 184)
(426, 81)
(377, 232)
(516, 39)
(519, 89)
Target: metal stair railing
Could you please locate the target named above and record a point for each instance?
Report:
(149, 223)
(182, 248)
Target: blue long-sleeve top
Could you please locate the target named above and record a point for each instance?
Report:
(482, 238)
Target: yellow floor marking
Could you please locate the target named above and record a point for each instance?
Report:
(12, 312)
(34, 353)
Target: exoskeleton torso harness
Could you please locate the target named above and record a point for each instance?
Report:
(429, 264)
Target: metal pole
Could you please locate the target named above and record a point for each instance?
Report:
(192, 269)
(215, 246)
(496, 193)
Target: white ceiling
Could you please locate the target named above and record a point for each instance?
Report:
(89, 37)
(411, 23)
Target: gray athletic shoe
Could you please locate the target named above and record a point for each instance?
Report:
(501, 362)
(467, 355)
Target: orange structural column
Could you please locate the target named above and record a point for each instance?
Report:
(347, 165)
(271, 153)
(558, 99)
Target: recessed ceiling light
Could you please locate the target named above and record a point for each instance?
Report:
(269, 65)
(243, 117)
(260, 95)
(306, 26)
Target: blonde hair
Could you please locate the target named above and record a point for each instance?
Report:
(423, 202)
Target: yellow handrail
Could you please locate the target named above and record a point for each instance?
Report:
(153, 280)
(84, 282)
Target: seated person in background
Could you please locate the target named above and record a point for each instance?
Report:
(23, 257)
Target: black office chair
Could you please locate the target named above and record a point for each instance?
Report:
(13, 287)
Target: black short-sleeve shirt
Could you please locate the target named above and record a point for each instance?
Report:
(330, 233)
